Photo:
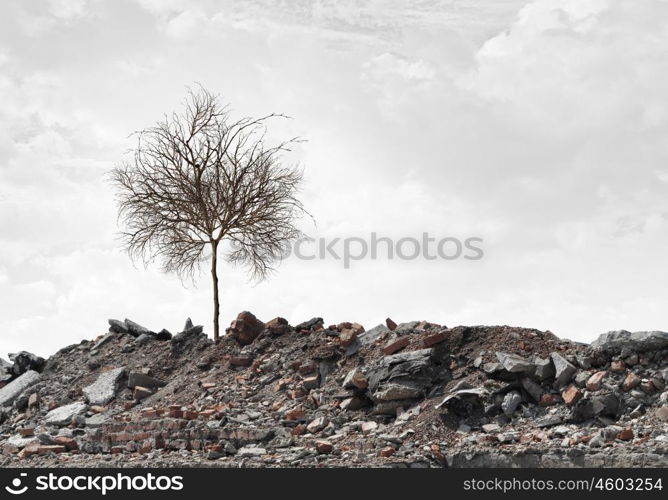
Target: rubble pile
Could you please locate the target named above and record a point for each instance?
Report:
(415, 394)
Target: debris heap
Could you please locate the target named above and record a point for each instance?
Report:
(414, 394)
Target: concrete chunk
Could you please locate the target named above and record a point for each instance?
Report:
(63, 415)
(564, 370)
(104, 388)
(14, 389)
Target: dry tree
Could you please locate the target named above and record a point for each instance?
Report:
(198, 179)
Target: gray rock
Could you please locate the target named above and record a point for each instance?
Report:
(20, 441)
(510, 403)
(195, 330)
(509, 437)
(544, 368)
(188, 325)
(104, 388)
(581, 378)
(601, 405)
(533, 389)
(564, 370)
(6, 372)
(349, 380)
(421, 355)
(395, 391)
(491, 428)
(492, 369)
(144, 339)
(63, 415)
(117, 326)
(25, 361)
(353, 348)
(311, 324)
(514, 363)
(139, 379)
(104, 340)
(474, 395)
(136, 329)
(614, 342)
(251, 451)
(547, 421)
(583, 362)
(406, 327)
(370, 336)
(97, 420)
(163, 335)
(14, 389)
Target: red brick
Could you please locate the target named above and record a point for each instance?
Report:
(29, 450)
(594, 382)
(347, 337)
(632, 380)
(26, 431)
(51, 448)
(277, 326)
(33, 400)
(243, 361)
(548, 399)
(390, 324)
(617, 366)
(306, 368)
(149, 413)
(68, 442)
(434, 338)
(571, 395)
(387, 452)
(324, 447)
(395, 345)
(295, 413)
(175, 413)
(190, 414)
(626, 434)
(120, 437)
(299, 430)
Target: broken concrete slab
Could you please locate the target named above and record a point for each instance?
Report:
(63, 415)
(139, 379)
(514, 363)
(14, 389)
(104, 388)
(564, 370)
(370, 336)
(615, 341)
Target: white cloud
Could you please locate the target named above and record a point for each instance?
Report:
(542, 131)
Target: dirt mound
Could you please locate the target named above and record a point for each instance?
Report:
(269, 394)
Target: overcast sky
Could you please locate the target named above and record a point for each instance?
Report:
(539, 126)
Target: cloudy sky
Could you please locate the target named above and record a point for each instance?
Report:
(539, 126)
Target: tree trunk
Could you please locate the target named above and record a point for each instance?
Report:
(216, 302)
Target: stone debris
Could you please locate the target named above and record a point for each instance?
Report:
(414, 394)
(16, 387)
(104, 388)
(63, 415)
(563, 369)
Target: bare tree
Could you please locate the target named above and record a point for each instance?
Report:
(197, 179)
